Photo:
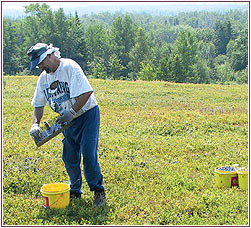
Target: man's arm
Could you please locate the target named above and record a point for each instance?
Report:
(81, 101)
(68, 115)
(37, 115)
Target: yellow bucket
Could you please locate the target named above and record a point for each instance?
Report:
(226, 179)
(56, 195)
(243, 179)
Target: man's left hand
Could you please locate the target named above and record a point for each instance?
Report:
(66, 116)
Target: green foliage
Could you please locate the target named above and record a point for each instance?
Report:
(207, 52)
(242, 76)
(115, 67)
(225, 73)
(97, 68)
(75, 43)
(4, 82)
(122, 40)
(45, 26)
(185, 57)
(203, 71)
(141, 50)
(159, 145)
(9, 45)
(95, 39)
(237, 51)
(181, 48)
(146, 73)
(223, 34)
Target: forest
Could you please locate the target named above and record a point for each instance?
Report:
(194, 47)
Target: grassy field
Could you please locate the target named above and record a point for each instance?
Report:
(159, 145)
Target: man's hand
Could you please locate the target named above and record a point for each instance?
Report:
(66, 116)
(35, 130)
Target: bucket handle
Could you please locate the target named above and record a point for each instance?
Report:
(47, 201)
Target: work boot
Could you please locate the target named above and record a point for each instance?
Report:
(99, 198)
(75, 195)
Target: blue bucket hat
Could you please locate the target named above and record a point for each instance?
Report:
(35, 53)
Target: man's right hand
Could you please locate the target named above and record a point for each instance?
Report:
(35, 130)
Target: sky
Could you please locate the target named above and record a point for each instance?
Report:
(66, 4)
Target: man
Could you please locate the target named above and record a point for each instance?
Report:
(64, 86)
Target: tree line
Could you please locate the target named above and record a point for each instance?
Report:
(195, 47)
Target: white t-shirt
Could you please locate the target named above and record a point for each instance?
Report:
(71, 82)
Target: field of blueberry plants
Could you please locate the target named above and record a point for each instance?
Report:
(159, 145)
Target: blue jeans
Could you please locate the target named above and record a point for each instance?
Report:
(81, 138)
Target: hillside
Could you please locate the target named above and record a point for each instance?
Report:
(159, 145)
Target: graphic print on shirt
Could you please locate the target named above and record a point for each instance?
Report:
(57, 96)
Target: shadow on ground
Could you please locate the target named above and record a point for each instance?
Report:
(79, 212)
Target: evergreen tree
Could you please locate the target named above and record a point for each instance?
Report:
(74, 42)
(114, 68)
(97, 45)
(140, 53)
(185, 56)
(195, 47)
(9, 47)
(237, 51)
(223, 34)
(146, 72)
(122, 40)
(61, 27)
